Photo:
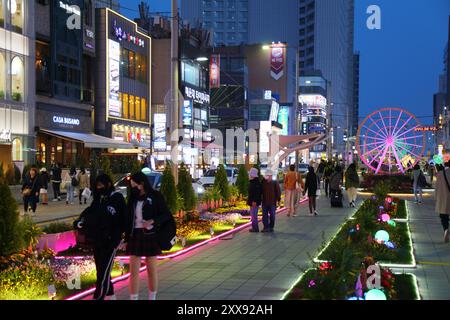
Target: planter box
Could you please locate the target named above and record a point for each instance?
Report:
(57, 241)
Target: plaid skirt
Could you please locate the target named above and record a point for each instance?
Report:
(143, 244)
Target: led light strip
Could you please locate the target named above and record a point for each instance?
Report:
(295, 282)
(176, 254)
(416, 283)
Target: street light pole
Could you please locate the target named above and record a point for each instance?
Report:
(297, 93)
(174, 90)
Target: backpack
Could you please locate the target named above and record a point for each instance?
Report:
(74, 181)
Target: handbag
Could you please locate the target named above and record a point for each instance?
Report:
(43, 191)
(86, 193)
(27, 191)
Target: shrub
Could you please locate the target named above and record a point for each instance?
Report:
(242, 181)
(30, 232)
(10, 175)
(10, 239)
(168, 188)
(221, 182)
(185, 188)
(57, 227)
(106, 167)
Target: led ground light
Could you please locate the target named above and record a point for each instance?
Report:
(407, 213)
(176, 254)
(300, 277)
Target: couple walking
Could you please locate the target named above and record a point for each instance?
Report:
(266, 193)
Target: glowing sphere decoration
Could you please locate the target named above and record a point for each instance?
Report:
(392, 223)
(438, 159)
(390, 245)
(388, 141)
(375, 294)
(389, 200)
(355, 298)
(385, 217)
(382, 236)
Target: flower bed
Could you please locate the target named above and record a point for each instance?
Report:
(397, 183)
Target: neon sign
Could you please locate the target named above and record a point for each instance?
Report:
(120, 34)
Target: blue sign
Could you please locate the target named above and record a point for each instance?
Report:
(187, 113)
(283, 119)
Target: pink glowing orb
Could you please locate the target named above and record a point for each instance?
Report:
(385, 217)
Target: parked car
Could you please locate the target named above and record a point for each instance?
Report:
(207, 181)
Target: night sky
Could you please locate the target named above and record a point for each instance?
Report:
(401, 63)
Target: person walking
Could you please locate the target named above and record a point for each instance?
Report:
(56, 181)
(271, 195)
(335, 187)
(147, 210)
(291, 180)
(30, 191)
(431, 172)
(419, 182)
(254, 198)
(104, 223)
(71, 182)
(442, 197)
(43, 182)
(351, 184)
(83, 183)
(320, 173)
(326, 177)
(311, 189)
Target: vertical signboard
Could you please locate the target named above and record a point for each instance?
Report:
(114, 103)
(283, 119)
(214, 71)
(265, 129)
(159, 133)
(277, 61)
(187, 112)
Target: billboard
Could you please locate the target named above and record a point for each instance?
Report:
(159, 133)
(187, 112)
(114, 103)
(214, 71)
(274, 111)
(283, 119)
(313, 100)
(277, 61)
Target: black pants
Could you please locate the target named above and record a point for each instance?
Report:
(327, 187)
(104, 260)
(31, 201)
(56, 189)
(444, 221)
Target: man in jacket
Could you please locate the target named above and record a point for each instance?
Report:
(254, 197)
(442, 195)
(271, 195)
(56, 181)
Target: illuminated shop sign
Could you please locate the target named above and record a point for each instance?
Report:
(114, 103)
(121, 35)
(197, 96)
(313, 100)
(265, 129)
(283, 119)
(131, 134)
(274, 111)
(187, 113)
(65, 120)
(159, 142)
(70, 9)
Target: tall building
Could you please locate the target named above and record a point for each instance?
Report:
(17, 82)
(326, 41)
(355, 115)
(112, 4)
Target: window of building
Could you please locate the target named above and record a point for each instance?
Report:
(2, 16)
(124, 64)
(17, 78)
(17, 150)
(141, 68)
(88, 12)
(125, 105)
(132, 64)
(190, 74)
(16, 11)
(131, 106)
(2, 75)
(138, 109)
(143, 109)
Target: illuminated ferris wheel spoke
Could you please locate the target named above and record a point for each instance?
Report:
(372, 150)
(382, 158)
(409, 138)
(376, 156)
(390, 121)
(408, 144)
(398, 120)
(407, 131)
(401, 128)
(384, 125)
(376, 133)
(394, 149)
(408, 151)
(373, 143)
(380, 130)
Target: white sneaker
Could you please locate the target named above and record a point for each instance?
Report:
(55, 200)
(446, 236)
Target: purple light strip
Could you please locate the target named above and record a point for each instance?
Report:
(375, 122)
(382, 160)
(178, 253)
(398, 159)
(404, 124)
(384, 124)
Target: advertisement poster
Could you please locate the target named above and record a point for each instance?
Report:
(277, 61)
(283, 119)
(159, 121)
(187, 113)
(214, 71)
(114, 103)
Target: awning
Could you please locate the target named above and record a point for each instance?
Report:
(90, 140)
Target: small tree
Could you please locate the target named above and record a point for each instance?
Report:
(135, 167)
(186, 189)
(221, 182)
(94, 167)
(242, 181)
(106, 167)
(10, 239)
(168, 188)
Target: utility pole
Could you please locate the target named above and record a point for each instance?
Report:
(297, 114)
(174, 91)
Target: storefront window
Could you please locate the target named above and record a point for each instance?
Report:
(125, 105)
(17, 150)
(2, 16)
(143, 109)
(17, 79)
(16, 11)
(132, 114)
(141, 71)
(124, 63)
(42, 153)
(132, 65)
(138, 109)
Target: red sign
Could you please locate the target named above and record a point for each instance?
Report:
(214, 71)
(428, 128)
(277, 61)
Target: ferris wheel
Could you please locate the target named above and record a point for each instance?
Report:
(388, 141)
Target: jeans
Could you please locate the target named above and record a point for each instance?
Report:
(444, 221)
(31, 201)
(418, 190)
(289, 200)
(268, 216)
(254, 215)
(70, 191)
(56, 189)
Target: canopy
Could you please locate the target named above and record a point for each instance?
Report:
(90, 140)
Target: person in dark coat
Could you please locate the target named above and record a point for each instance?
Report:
(271, 195)
(104, 222)
(56, 181)
(311, 189)
(254, 197)
(43, 181)
(147, 211)
(30, 191)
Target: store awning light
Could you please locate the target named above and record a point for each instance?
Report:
(201, 59)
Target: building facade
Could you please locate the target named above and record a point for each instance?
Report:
(17, 82)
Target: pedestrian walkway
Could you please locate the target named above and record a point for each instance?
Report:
(432, 254)
(56, 210)
(248, 266)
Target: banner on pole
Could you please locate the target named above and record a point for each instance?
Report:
(277, 61)
(214, 71)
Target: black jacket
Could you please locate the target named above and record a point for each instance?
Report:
(104, 220)
(43, 180)
(33, 184)
(154, 208)
(56, 174)
(254, 192)
(311, 183)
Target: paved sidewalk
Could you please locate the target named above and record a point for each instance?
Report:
(432, 254)
(249, 266)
